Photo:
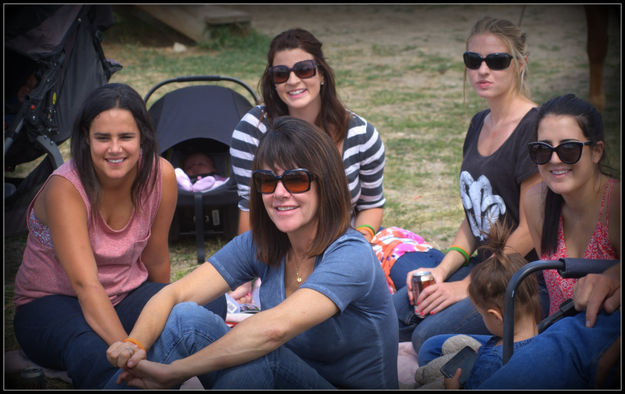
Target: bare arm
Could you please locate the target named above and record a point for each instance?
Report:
(534, 208)
(520, 240)
(250, 339)
(260, 334)
(201, 286)
(244, 221)
(373, 217)
(61, 208)
(155, 256)
(439, 296)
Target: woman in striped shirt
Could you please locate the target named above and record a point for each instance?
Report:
(298, 82)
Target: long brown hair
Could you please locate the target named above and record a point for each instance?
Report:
(333, 118)
(294, 143)
(490, 278)
(114, 95)
(591, 124)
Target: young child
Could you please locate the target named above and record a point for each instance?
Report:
(198, 173)
(487, 292)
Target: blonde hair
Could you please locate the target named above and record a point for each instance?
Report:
(514, 39)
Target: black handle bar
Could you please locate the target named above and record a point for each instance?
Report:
(201, 78)
(567, 268)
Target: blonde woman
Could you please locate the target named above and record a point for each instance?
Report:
(495, 173)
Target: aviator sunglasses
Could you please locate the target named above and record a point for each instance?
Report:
(494, 61)
(303, 70)
(296, 180)
(569, 152)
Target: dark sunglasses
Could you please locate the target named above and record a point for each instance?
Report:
(296, 180)
(568, 152)
(304, 70)
(494, 61)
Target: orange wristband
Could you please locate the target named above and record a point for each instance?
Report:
(132, 340)
(367, 228)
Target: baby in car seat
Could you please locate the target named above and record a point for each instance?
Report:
(198, 173)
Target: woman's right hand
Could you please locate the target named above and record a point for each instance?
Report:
(151, 375)
(436, 272)
(243, 293)
(438, 296)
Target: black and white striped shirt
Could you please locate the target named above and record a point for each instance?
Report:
(363, 158)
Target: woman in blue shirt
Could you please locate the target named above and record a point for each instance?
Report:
(327, 320)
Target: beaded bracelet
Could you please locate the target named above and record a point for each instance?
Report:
(368, 228)
(462, 251)
(132, 340)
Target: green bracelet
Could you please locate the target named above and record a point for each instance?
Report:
(461, 251)
(368, 226)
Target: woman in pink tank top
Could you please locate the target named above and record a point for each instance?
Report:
(575, 212)
(97, 247)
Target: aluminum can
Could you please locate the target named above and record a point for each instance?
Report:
(421, 280)
(32, 378)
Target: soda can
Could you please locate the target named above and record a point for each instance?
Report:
(421, 280)
(32, 378)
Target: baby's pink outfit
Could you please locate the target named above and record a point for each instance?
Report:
(202, 184)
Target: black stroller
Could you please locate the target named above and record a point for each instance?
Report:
(201, 118)
(57, 49)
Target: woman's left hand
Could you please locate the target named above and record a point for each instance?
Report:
(594, 292)
(124, 354)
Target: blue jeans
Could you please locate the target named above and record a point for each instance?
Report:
(459, 318)
(190, 328)
(53, 333)
(564, 356)
(413, 260)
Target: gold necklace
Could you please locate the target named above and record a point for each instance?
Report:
(299, 277)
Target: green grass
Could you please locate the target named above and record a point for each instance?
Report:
(411, 89)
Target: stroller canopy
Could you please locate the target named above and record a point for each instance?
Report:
(60, 46)
(205, 111)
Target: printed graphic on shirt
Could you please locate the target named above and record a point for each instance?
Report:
(481, 205)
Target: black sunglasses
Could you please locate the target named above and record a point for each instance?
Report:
(296, 180)
(569, 152)
(304, 70)
(494, 61)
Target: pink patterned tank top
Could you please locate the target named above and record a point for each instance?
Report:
(599, 248)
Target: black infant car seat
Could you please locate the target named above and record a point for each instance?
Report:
(201, 118)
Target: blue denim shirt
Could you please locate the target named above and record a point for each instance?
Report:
(489, 359)
(357, 347)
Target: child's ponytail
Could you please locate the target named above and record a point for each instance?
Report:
(490, 278)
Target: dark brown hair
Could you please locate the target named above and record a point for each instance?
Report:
(490, 278)
(333, 118)
(294, 143)
(104, 98)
